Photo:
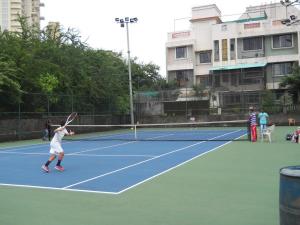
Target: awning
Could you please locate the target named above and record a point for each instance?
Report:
(238, 66)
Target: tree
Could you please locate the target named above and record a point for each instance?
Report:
(268, 101)
(10, 88)
(293, 82)
(38, 64)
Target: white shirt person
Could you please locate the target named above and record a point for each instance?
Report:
(56, 148)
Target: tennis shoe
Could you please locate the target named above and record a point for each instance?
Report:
(45, 168)
(59, 168)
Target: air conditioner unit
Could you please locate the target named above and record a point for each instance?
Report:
(259, 54)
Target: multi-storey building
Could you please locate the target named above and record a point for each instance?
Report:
(10, 10)
(235, 60)
(54, 29)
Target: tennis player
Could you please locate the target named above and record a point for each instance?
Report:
(56, 148)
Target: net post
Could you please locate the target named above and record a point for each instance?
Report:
(135, 136)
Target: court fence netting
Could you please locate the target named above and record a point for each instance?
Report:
(192, 131)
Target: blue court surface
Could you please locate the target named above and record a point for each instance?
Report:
(107, 166)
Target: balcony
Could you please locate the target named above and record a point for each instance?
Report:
(241, 87)
(180, 38)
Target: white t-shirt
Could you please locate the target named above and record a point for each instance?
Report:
(55, 144)
(58, 136)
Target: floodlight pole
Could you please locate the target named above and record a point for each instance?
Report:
(129, 76)
(126, 21)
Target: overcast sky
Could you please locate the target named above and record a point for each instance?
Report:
(95, 19)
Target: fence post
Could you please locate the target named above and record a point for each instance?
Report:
(19, 120)
(72, 102)
(48, 106)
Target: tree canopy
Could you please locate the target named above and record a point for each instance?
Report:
(42, 68)
(293, 82)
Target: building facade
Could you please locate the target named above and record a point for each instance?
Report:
(234, 60)
(10, 10)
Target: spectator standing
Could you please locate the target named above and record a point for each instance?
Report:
(253, 124)
(263, 121)
(47, 131)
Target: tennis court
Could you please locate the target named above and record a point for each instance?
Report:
(236, 184)
(97, 164)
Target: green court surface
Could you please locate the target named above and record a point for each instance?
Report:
(235, 185)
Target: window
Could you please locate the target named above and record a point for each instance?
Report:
(253, 73)
(281, 69)
(217, 82)
(204, 81)
(181, 52)
(225, 78)
(231, 99)
(283, 41)
(250, 44)
(224, 27)
(232, 49)
(182, 78)
(205, 57)
(224, 50)
(251, 98)
(216, 51)
(234, 79)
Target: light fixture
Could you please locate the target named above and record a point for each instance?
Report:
(285, 21)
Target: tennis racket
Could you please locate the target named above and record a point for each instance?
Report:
(70, 118)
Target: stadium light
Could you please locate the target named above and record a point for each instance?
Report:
(124, 23)
(288, 2)
(292, 19)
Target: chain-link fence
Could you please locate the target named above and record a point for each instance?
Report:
(27, 118)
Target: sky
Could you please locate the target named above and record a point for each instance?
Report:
(95, 20)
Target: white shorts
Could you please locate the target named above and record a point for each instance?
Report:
(55, 148)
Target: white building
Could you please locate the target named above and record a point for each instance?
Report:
(11, 9)
(234, 60)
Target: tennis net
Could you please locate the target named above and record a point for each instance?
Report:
(193, 131)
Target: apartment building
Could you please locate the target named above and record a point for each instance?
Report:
(234, 60)
(54, 29)
(11, 9)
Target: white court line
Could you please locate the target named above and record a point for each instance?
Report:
(165, 171)
(24, 153)
(58, 189)
(100, 148)
(31, 146)
(75, 153)
(13, 150)
(83, 155)
(89, 150)
(123, 155)
(111, 146)
(20, 147)
(133, 165)
(113, 193)
(174, 167)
